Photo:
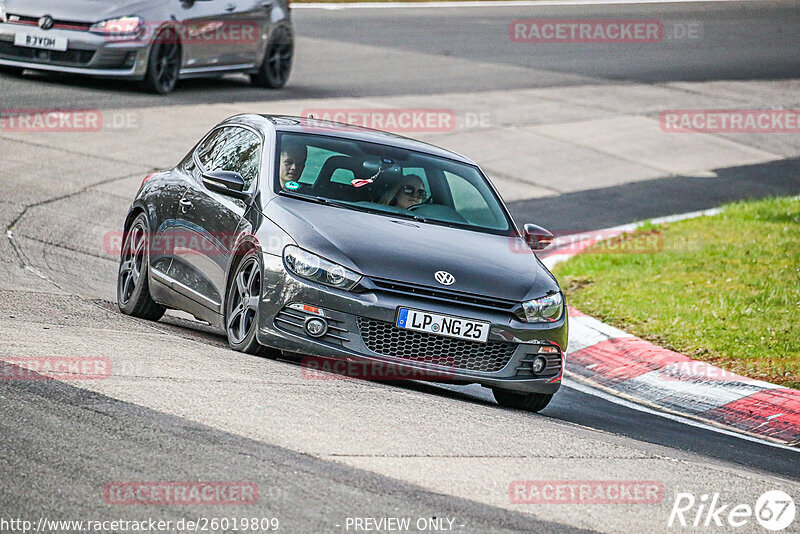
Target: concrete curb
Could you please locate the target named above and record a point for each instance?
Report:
(617, 362)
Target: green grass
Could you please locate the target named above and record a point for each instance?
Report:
(724, 289)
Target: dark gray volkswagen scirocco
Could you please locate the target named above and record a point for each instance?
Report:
(346, 243)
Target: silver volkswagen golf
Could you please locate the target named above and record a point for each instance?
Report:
(154, 41)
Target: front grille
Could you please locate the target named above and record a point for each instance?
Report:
(384, 338)
(57, 24)
(479, 301)
(69, 57)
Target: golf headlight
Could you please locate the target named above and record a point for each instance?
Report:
(544, 310)
(119, 26)
(312, 267)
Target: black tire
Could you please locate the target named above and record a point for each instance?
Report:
(277, 64)
(133, 292)
(12, 71)
(164, 63)
(241, 320)
(530, 402)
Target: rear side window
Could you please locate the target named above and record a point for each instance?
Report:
(316, 159)
(232, 149)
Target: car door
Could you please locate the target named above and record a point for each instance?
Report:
(164, 202)
(209, 221)
(246, 28)
(201, 31)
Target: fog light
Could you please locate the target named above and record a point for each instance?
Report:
(316, 327)
(538, 365)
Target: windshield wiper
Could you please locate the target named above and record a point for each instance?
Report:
(325, 201)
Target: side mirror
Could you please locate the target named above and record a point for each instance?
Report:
(228, 183)
(537, 237)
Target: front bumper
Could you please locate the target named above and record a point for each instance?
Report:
(87, 53)
(363, 321)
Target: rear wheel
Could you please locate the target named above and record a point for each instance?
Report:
(277, 64)
(164, 64)
(530, 402)
(242, 306)
(133, 292)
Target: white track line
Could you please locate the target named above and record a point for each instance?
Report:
(333, 6)
(583, 388)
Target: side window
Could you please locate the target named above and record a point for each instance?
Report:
(232, 149)
(342, 176)
(316, 159)
(208, 148)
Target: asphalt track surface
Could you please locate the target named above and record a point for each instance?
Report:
(60, 442)
(730, 41)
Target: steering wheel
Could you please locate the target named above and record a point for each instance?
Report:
(428, 202)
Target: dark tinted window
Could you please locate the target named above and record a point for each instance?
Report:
(388, 180)
(232, 149)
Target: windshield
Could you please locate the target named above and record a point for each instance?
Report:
(387, 180)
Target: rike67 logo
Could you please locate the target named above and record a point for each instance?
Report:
(774, 510)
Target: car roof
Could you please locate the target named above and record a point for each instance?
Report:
(288, 123)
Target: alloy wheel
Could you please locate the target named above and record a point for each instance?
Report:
(243, 302)
(279, 57)
(167, 60)
(133, 258)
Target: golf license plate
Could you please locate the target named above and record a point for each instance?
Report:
(443, 325)
(45, 42)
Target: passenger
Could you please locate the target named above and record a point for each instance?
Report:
(409, 192)
(292, 163)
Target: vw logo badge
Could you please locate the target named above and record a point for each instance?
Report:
(444, 278)
(46, 22)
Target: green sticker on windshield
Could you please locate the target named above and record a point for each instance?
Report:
(291, 186)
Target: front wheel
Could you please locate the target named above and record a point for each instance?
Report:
(133, 292)
(277, 64)
(530, 402)
(164, 63)
(242, 305)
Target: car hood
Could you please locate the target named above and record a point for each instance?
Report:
(407, 251)
(79, 10)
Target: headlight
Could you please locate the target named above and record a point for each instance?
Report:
(544, 310)
(123, 26)
(3, 16)
(312, 267)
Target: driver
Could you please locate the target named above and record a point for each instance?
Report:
(292, 163)
(408, 192)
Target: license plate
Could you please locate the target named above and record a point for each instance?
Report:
(443, 325)
(45, 42)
